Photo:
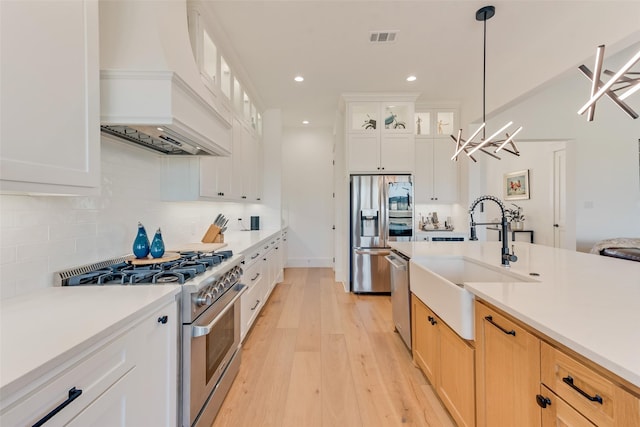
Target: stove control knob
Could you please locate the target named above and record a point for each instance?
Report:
(204, 298)
(214, 291)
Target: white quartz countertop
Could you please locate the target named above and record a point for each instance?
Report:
(40, 330)
(240, 241)
(589, 303)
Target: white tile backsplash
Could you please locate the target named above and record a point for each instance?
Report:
(40, 235)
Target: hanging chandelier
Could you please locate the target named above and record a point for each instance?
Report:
(622, 80)
(484, 145)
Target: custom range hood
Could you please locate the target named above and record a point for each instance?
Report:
(151, 92)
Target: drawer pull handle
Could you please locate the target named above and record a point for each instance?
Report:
(255, 256)
(255, 277)
(490, 320)
(74, 393)
(163, 319)
(569, 381)
(254, 307)
(431, 320)
(543, 402)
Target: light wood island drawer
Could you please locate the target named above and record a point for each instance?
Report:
(599, 399)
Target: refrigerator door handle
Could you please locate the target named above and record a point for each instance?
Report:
(374, 252)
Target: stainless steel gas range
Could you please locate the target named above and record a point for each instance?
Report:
(210, 312)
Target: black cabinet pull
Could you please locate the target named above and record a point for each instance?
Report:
(490, 320)
(569, 381)
(431, 320)
(163, 319)
(254, 307)
(74, 393)
(543, 402)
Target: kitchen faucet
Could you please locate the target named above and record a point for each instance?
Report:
(506, 256)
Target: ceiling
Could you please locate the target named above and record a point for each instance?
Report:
(440, 42)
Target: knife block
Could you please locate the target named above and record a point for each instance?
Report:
(213, 235)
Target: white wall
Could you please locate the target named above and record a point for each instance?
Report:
(308, 186)
(537, 157)
(272, 168)
(41, 235)
(602, 155)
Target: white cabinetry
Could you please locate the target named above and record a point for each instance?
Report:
(251, 166)
(436, 175)
(380, 134)
(238, 177)
(262, 271)
(253, 298)
(50, 126)
(129, 379)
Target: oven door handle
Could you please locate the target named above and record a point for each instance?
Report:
(199, 331)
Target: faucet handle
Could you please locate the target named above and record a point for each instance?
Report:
(512, 256)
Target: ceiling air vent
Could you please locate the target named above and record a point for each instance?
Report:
(383, 36)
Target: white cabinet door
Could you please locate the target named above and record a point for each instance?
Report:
(50, 94)
(156, 370)
(364, 152)
(237, 168)
(397, 153)
(445, 172)
(436, 175)
(215, 177)
(110, 409)
(252, 166)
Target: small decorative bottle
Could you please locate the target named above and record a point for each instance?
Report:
(157, 245)
(141, 243)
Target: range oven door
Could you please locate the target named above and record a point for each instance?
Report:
(209, 344)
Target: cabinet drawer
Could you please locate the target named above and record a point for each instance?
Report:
(252, 256)
(559, 413)
(603, 402)
(93, 375)
(252, 275)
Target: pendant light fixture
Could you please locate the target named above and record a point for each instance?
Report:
(622, 80)
(469, 146)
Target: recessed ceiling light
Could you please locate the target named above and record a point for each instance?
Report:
(298, 79)
(305, 122)
(160, 129)
(411, 78)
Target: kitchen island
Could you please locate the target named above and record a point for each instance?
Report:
(586, 302)
(100, 345)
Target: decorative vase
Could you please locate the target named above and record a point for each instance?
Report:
(157, 245)
(141, 243)
(517, 225)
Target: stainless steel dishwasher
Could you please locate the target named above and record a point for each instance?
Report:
(400, 298)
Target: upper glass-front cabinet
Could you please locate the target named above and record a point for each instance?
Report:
(209, 58)
(217, 74)
(392, 117)
(225, 78)
(435, 122)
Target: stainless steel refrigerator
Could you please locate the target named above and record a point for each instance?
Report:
(381, 212)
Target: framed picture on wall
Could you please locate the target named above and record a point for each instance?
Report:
(516, 185)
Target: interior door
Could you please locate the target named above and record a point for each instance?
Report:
(559, 198)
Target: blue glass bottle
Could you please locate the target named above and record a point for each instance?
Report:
(157, 245)
(141, 243)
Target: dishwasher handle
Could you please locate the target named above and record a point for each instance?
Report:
(391, 259)
(374, 252)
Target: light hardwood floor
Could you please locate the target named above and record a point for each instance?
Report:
(318, 356)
